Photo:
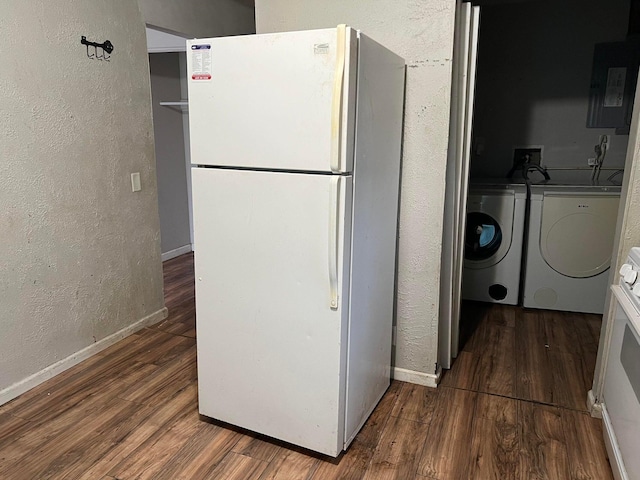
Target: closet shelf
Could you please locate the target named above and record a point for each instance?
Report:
(184, 105)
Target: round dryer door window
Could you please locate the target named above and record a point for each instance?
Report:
(576, 236)
(483, 237)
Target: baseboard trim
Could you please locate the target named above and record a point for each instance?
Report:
(176, 252)
(419, 378)
(36, 379)
(593, 406)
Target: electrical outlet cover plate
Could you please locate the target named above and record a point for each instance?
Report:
(531, 154)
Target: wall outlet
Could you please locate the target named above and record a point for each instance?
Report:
(135, 182)
(591, 161)
(529, 154)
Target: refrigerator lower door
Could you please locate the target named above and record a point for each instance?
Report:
(272, 302)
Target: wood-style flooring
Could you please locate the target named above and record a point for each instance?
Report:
(513, 407)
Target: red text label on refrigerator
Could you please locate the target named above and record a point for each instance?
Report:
(201, 62)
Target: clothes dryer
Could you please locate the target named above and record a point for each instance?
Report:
(569, 247)
(493, 242)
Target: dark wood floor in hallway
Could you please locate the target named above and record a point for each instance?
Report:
(513, 407)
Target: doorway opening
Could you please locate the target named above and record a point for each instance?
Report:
(168, 70)
(543, 109)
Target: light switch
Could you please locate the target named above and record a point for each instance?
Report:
(135, 182)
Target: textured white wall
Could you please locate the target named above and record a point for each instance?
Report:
(421, 32)
(80, 255)
(200, 18)
(534, 75)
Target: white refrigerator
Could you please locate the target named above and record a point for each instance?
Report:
(295, 141)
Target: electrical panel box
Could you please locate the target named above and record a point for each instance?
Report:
(613, 84)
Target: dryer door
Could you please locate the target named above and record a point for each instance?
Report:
(576, 236)
(488, 230)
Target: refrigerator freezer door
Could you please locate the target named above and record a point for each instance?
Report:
(271, 347)
(280, 101)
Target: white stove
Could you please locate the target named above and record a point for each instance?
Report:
(621, 396)
(630, 277)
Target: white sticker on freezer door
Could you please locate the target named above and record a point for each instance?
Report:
(614, 95)
(201, 62)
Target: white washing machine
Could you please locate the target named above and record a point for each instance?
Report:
(493, 243)
(569, 247)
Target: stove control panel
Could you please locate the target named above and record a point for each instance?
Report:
(630, 277)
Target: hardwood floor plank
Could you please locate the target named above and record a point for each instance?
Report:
(350, 466)
(11, 426)
(495, 372)
(170, 350)
(185, 329)
(561, 332)
(570, 381)
(415, 403)
(585, 448)
(155, 425)
(449, 437)
(201, 455)
(163, 382)
(256, 447)
(533, 381)
(594, 322)
(506, 314)
(543, 452)
(147, 461)
(290, 465)
(133, 344)
(107, 386)
(238, 467)
(463, 374)
(56, 418)
(486, 364)
(495, 441)
(46, 459)
(398, 451)
(473, 315)
(184, 312)
(73, 463)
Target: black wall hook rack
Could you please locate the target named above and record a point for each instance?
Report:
(106, 47)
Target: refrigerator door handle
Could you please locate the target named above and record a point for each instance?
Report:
(336, 105)
(334, 230)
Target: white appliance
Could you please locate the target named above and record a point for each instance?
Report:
(296, 137)
(569, 246)
(621, 395)
(493, 242)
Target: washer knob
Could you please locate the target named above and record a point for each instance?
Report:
(630, 277)
(625, 268)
